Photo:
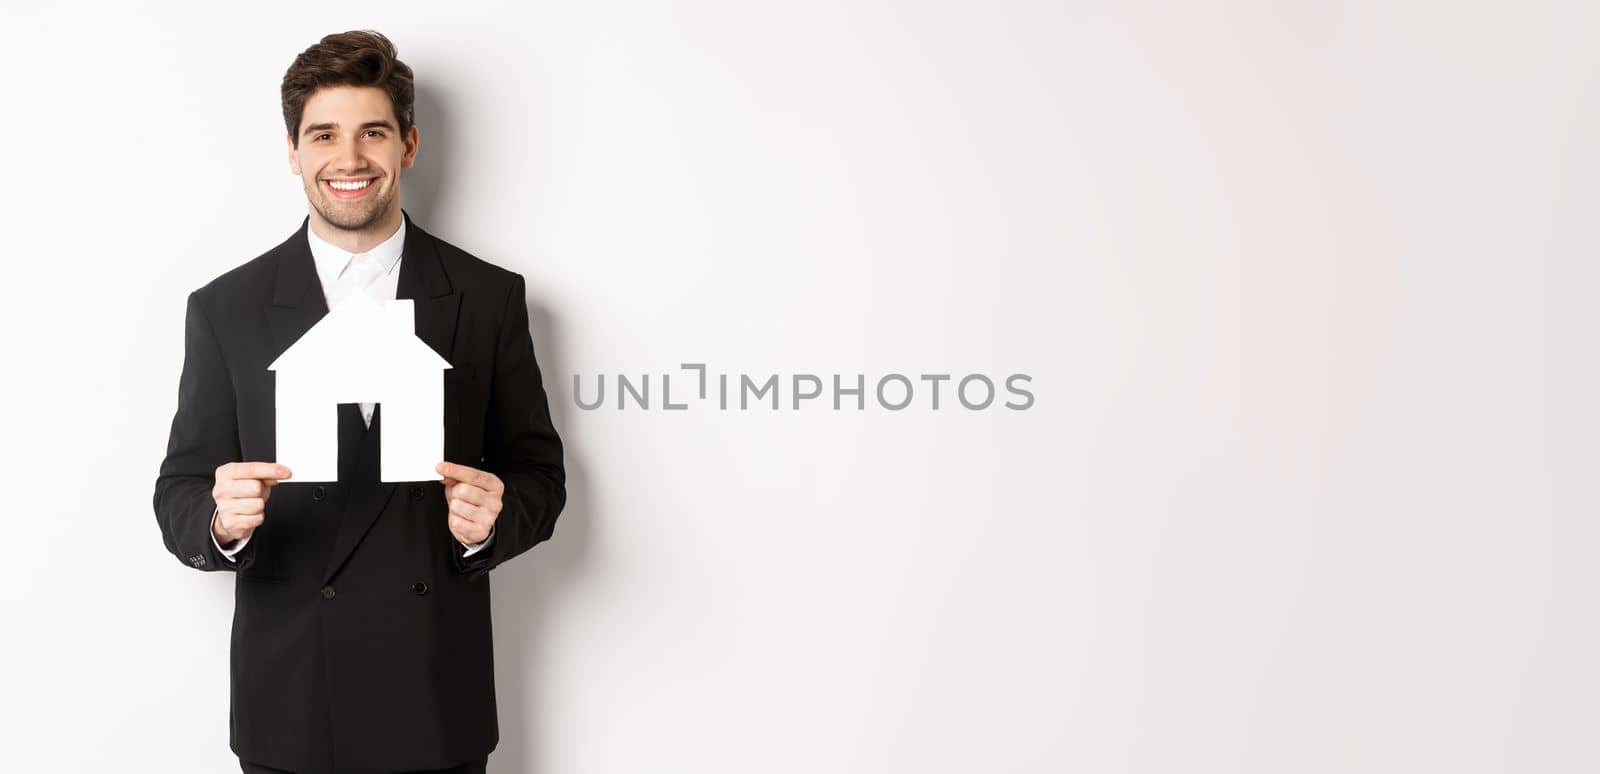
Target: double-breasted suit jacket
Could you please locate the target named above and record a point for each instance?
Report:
(361, 636)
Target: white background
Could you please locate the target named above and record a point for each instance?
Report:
(1306, 290)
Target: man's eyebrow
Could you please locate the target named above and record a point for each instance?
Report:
(327, 125)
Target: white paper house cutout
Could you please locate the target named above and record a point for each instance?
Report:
(363, 351)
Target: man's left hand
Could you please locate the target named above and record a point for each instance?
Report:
(474, 499)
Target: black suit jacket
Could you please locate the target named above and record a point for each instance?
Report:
(361, 636)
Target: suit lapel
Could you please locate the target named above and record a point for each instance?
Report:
(423, 280)
(297, 302)
(436, 304)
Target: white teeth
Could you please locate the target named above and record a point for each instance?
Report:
(338, 185)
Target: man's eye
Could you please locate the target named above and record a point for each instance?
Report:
(377, 132)
(320, 136)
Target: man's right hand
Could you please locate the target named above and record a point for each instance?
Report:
(241, 493)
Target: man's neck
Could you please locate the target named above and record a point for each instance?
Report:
(357, 241)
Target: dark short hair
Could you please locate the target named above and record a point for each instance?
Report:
(355, 58)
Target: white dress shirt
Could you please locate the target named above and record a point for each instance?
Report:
(332, 262)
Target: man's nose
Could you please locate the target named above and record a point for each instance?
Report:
(349, 157)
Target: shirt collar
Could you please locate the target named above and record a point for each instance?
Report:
(331, 261)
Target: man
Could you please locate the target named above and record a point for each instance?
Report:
(361, 633)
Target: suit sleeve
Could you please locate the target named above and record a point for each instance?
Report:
(520, 445)
(204, 436)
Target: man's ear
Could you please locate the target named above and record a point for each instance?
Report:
(294, 155)
(410, 156)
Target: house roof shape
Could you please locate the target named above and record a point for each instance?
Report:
(361, 334)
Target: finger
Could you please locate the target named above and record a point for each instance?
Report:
(463, 509)
(243, 507)
(468, 511)
(232, 523)
(470, 493)
(238, 487)
(472, 476)
(258, 470)
(467, 531)
(489, 502)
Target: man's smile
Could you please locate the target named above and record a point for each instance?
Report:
(349, 188)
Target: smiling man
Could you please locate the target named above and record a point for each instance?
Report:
(361, 634)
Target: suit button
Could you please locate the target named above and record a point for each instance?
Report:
(327, 592)
(419, 587)
(416, 493)
(319, 493)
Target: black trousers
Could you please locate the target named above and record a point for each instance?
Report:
(470, 767)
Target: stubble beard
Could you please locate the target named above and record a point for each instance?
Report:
(355, 216)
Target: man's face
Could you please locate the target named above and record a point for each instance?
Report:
(350, 155)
